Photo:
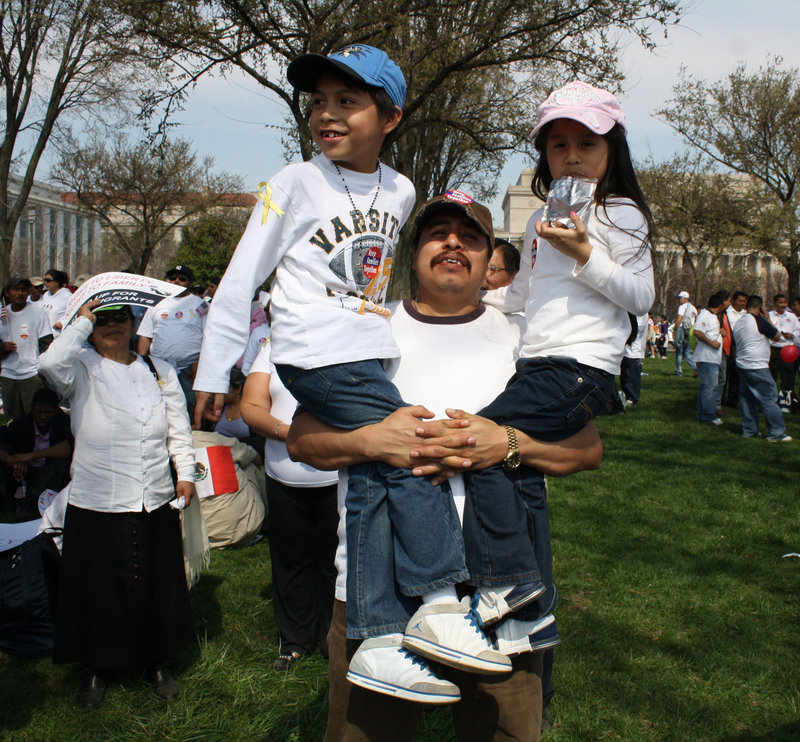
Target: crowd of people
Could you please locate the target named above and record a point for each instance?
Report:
(408, 520)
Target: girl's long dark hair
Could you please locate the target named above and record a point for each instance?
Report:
(619, 179)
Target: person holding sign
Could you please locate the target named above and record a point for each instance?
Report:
(123, 601)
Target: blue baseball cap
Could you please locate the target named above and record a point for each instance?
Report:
(365, 63)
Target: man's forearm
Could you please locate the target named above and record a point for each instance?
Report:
(322, 446)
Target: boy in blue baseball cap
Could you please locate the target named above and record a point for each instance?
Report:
(328, 227)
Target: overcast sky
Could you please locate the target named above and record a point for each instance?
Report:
(226, 118)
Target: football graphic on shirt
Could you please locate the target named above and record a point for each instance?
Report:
(362, 263)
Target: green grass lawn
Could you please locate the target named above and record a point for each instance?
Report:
(678, 615)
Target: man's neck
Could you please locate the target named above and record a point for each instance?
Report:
(445, 305)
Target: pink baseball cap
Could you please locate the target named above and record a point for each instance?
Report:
(595, 108)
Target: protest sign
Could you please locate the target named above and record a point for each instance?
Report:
(120, 288)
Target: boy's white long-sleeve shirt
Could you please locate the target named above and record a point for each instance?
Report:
(582, 312)
(332, 268)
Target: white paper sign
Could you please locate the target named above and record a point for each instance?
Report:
(120, 288)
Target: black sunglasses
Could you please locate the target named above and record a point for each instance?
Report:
(118, 318)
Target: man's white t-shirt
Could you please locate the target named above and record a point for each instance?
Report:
(707, 323)
(24, 328)
(785, 322)
(175, 325)
(752, 344)
(462, 362)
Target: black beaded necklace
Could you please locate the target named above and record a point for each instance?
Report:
(350, 195)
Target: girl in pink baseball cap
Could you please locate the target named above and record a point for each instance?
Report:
(582, 281)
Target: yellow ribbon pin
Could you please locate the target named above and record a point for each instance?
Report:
(266, 196)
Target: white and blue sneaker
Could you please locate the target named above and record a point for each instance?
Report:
(381, 664)
(491, 604)
(512, 636)
(448, 633)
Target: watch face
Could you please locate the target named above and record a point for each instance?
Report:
(513, 460)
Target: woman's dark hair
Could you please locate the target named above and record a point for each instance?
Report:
(618, 180)
(511, 256)
(237, 378)
(60, 277)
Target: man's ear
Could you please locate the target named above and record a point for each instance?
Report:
(392, 120)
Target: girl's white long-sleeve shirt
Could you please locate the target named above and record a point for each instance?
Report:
(581, 312)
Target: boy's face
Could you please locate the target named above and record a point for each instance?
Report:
(346, 124)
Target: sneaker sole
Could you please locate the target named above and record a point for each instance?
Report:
(513, 606)
(454, 658)
(387, 689)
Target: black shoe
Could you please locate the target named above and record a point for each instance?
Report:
(92, 691)
(285, 661)
(164, 684)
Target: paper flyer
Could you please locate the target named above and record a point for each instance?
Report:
(120, 288)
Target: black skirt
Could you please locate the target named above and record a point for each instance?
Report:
(122, 599)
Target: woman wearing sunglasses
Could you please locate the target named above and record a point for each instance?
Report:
(123, 602)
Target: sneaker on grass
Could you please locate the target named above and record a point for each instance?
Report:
(382, 664)
(512, 636)
(491, 604)
(778, 438)
(449, 633)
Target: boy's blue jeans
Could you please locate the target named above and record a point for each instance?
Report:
(403, 534)
(550, 399)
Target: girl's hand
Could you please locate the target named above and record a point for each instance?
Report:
(574, 243)
(86, 310)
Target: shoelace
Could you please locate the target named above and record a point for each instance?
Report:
(415, 659)
(474, 619)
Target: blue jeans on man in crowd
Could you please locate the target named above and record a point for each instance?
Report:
(708, 376)
(757, 389)
(403, 534)
(683, 349)
(548, 398)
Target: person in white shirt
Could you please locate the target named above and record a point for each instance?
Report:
(681, 329)
(455, 351)
(789, 327)
(302, 520)
(123, 601)
(630, 371)
(708, 357)
(24, 333)
(173, 330)
(55, 299)
(753, 333)
(735, 311)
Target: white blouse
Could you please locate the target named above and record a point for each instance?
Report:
(126, 425)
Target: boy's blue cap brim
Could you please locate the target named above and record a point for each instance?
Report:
(365, 63)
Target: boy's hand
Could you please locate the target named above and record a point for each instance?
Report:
(208, 405)
(574, 243)
(10, 347)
